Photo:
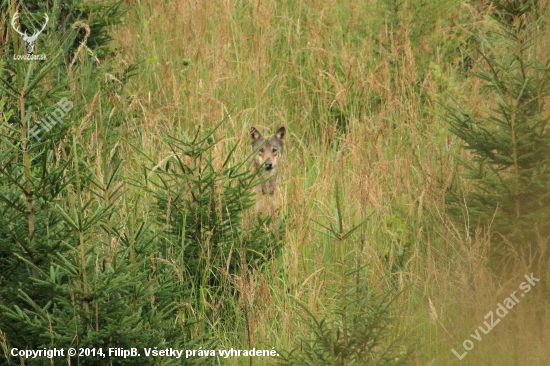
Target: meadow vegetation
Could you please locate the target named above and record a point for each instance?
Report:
(411, 206)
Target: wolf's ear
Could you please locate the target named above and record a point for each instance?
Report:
(254, 134)
(280, 134)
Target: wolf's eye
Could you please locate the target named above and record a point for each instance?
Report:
(262, 150)
(274, 151)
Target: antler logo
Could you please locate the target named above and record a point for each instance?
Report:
(29, 40)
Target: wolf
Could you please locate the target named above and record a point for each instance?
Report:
(268, 158)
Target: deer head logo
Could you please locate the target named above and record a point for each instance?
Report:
(29, 40)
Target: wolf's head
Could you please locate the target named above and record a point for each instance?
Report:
(269, 150)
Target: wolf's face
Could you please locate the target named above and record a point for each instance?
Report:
(269, 151)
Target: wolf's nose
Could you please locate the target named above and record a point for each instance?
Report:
(269, 165)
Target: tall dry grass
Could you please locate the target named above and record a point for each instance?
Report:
(360, 88)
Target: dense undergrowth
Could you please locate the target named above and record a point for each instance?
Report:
(414, 185)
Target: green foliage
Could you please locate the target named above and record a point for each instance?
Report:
(200, 200)
(510, 143)
(73, 272)
(75, 269)
(355, 335)
(358, 326)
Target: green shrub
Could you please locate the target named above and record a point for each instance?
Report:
(509, 144)
(357, 327)
(73, 271)
(200, 200)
